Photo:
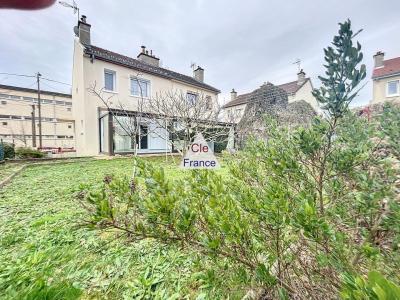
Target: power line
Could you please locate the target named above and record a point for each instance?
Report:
(55, 81)
(13, 74)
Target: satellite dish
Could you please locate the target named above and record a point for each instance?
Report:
(76, 31)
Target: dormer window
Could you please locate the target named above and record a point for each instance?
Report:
(393, 88)
(109, 80)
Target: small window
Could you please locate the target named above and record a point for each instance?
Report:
(4, 123)
(60, 102)
(140, 87)
(69, 126)
(209, 102)
(4, 102)
(191, 98)
(109, 80)
(68, 108)
(393, 88)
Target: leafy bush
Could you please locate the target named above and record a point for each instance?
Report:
(295, 213)
(375, 286)
(23, 152)
(9, 151)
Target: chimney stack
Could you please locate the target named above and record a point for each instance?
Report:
(198, 74)
(301, 77)
(378, 59)
(84, 31)
(233, 94)
(148, 58)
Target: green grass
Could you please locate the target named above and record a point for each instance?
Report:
(46, 254)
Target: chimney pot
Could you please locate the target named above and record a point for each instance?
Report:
(378, 59)
(301, 77)
(84, 31)
(233, 94)
(147, 58)
(198, 74)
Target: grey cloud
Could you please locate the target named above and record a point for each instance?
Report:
(240, 44)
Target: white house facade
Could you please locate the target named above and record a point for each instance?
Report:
(125, 81)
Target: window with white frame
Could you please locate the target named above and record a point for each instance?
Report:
(140, 87)
(393, 88)
(109, 80)
(191, 98)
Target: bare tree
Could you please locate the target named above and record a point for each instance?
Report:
(184, 115)
(22, 136)
(180, 116)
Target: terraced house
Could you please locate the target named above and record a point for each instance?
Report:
(126, 81)
(18, 108)
(298, 90)
(386, 79)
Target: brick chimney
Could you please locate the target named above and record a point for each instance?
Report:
(233, 94)
(84, 31)
(148, 58)
(301, 77)
(378, 59)
(198, 74)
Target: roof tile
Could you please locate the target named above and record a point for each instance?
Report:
(390, 67)
(132, 63)
(290, 88)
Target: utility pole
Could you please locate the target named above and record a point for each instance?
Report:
(39, 109)
(33, 126)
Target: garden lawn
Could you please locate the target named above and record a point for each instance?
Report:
(46, 254)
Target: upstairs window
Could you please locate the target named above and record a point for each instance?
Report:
(109, 80)
(191, 98)
(209, 104)
(140, 87)
(393, 88)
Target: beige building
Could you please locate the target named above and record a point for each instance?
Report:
(125, 81)
(300, 89)
(16, 124)
(386, 79)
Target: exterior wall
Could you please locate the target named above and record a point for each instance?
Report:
(16, 120)
(305, 93)
(379, 90)
(234, 113)
(86, 105)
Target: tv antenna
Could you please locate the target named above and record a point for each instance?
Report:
(298, 63)
(74, 6)
(193, 65)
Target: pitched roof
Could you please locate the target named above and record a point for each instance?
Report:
(42, 92)
(290, 88)
(136, 64)
(390, 67)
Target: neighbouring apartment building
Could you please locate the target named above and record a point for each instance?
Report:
(301, 89)
(127, 81)
(386, 79)
(18, 106)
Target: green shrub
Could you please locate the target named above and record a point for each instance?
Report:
(296, 212)
(23, 152)
(9, 151)
(375, 286)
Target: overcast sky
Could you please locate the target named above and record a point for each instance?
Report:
(240, 44)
